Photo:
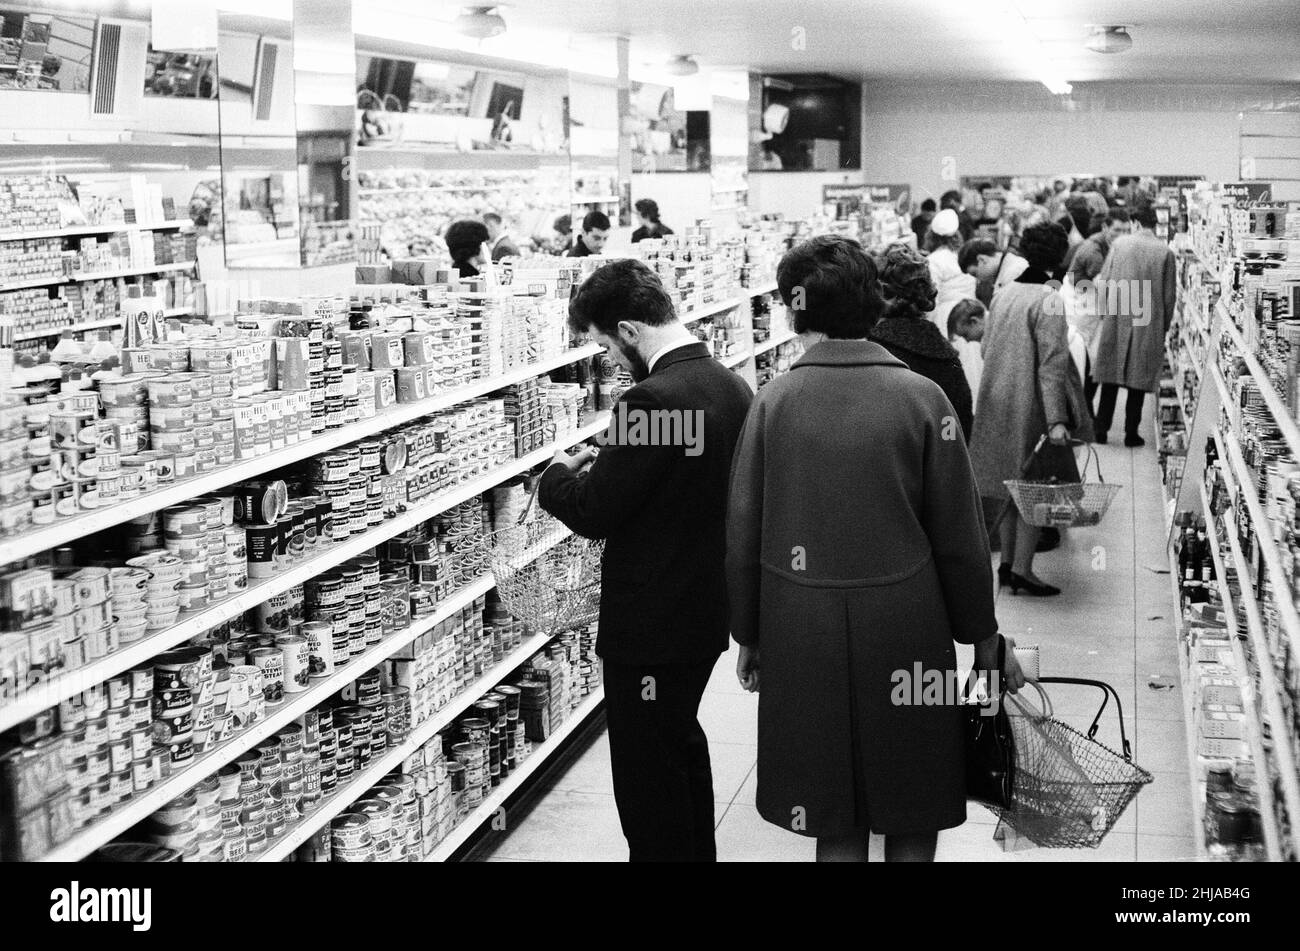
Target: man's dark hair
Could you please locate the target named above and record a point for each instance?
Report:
(1117, 214)
(1080, 212)
(1044, 245)
(950, 199)
(464, 238)
(927, 205)
(1145, 215)
(492, 218)
(830, 285)
(648, 209)
(972, 249)
(622, 290)
(595, 221)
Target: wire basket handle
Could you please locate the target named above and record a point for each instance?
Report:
(1107, 691)
(1091, 457)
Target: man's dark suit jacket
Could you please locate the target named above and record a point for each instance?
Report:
(662, 513)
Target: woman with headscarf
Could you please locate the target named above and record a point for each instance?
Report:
(942, 241)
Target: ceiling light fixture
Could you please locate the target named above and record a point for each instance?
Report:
(682, 65)
(480, 23)
(1109, 39)
(1024, 45)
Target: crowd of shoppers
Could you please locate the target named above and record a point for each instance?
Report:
(838, 524)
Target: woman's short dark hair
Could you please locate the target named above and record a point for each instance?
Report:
(905, 281)
(464, 239)
(927, 205)
(621, 290)
(648, 209)
(972, 249)
(563, 224)
(1117, 214)
(830, 286)
(1044, 245)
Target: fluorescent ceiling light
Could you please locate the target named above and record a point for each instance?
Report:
(1000, 23)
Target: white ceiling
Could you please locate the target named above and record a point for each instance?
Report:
(1174, 41)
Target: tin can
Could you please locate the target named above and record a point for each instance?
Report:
(351, 839)
(141, 774)
(270, 662)
(297, 662)
(320, 648)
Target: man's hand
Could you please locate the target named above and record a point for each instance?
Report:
(575, 462)
(747, 668)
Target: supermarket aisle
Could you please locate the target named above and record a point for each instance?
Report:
(1114, 622)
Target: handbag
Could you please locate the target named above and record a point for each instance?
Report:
(1052, 463)
(990, 745)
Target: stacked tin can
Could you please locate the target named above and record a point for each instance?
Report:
(438, 806)
(184, 701)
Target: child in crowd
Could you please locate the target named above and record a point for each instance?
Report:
(965, 331)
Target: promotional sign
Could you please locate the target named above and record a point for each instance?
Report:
(1249, 194)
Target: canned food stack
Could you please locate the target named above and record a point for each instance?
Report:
(70, 765)
(426, 672)
(525, 412)
(563, 406)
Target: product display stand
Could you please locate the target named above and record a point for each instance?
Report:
(1219, 378)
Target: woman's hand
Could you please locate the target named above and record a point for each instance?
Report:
(1058, 434)
(747, 668)
(986, 658)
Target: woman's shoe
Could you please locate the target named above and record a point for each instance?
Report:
(1004, 575)
(1032, 588)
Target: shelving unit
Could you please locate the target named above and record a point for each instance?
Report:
(1267, 811)
(773, 342)
(135, 271)
(65, 530)
(511, 784)
(88, 325)
(60, 688)
(293, 706)
(1281, 415)
(1269, 686)
(736, 359)
(356, 787)
(83, 231)
(1185, 684)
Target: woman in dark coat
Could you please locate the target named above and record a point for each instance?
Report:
(907, 333)
(1029, 387)
(856, 556)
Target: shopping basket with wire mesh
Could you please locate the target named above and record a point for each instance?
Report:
(545, 575)
(1070, 789)
(1052, 504)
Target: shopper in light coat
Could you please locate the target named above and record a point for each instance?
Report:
(1029, 387)
(941, 243)
(1131, 347)
(855, 551)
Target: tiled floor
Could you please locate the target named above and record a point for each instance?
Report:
(1114, 622)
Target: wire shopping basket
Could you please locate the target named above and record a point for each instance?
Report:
(545, 575)
(1070, 789)
(1063, 504)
